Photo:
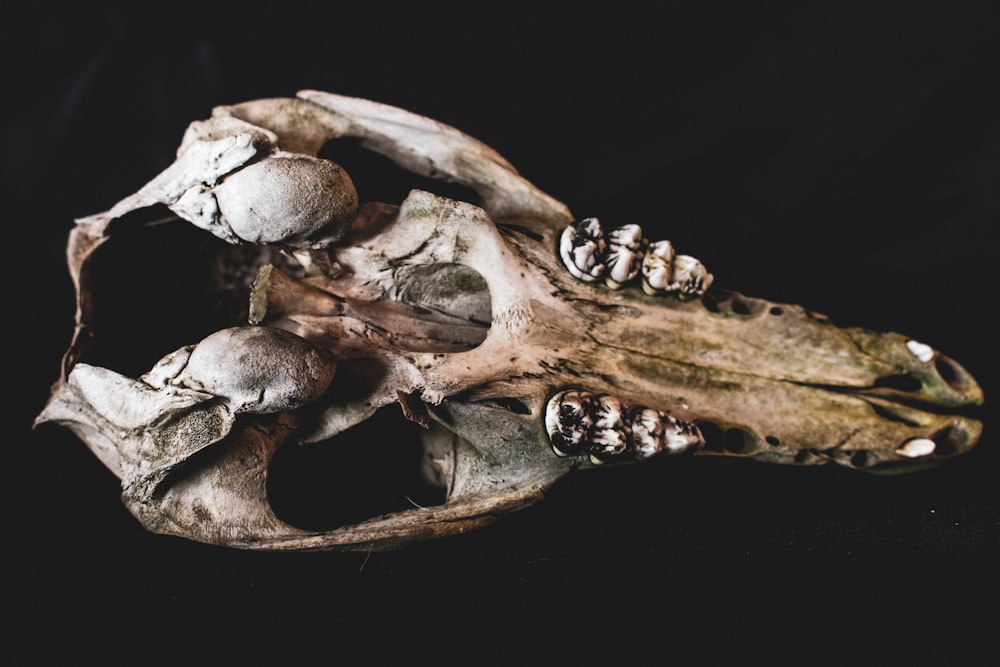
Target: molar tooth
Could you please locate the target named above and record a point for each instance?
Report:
(624, 255)
(655, 432)
(647, 432)
(691, 278)
(620, 257)
(609, 435)
(664, 272)
(568, 419)
(581, 423)
(582, 248)
(657, 267)
(607, 442)
(607, 411)
(681, 436)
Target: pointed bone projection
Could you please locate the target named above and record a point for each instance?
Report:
(522, 343)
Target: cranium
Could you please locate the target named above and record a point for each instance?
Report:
(521, 342)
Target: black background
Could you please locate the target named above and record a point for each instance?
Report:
(842, 157)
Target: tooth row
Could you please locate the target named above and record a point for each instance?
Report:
(622, 255)
(581, 423)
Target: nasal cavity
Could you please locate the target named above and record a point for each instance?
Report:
(448, 306)
(372, 469)
(950, 372)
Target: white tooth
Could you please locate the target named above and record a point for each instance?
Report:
(657, 267)
(916, 448)
(647, 433)
(609, 435)
(607, 441)
(568, 419)
(624, 257)
(608, 413)
(552, 414)
(680, 436)
(582, 247)
(922, 352)
(691, 278)
(626, 236)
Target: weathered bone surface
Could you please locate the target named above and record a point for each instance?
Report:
(522, 344)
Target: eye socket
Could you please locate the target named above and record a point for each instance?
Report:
(382, 180)
(371, 469)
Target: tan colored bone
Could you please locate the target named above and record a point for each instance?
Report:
(468, 316)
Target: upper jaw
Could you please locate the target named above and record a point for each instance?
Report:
(765, 380)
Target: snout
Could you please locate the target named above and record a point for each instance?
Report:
(783, 384)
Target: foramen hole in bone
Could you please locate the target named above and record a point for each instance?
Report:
(269, 359)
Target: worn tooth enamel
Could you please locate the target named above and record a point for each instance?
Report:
(568, 419)
(655, 432)
(647, 433)
(922, 352)
(680, 436)
(607, 442)
(657, 267)
(624, 255)
(663, 271)
(602, 427)
(607, 412)
(582, 248)
(917, 447)
(691, 278)
(609, 435)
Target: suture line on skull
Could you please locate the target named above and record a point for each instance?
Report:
(623, 254)
(599, 425)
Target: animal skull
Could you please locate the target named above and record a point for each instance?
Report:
(525, 344)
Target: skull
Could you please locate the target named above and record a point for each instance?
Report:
(522, 344)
